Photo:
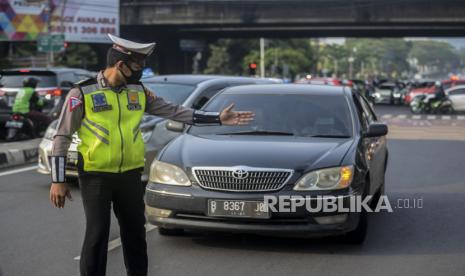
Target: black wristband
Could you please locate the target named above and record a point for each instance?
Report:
(58, 167)
(206, 118)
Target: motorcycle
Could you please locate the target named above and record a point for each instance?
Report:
(20, 127)
(426, 104)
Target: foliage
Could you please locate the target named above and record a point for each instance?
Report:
(438, 54)
(387, 57)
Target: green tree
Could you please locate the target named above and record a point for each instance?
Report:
(436, 54)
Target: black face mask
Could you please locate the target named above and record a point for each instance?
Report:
(135, 75)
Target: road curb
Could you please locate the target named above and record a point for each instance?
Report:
(18, 153)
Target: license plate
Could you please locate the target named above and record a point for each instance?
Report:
(72, 157)
(14, 124)
(238, 208)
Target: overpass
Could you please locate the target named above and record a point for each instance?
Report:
(170, 21)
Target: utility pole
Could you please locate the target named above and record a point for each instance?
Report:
(262, 57)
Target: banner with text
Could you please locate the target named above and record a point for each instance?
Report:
(80, 21)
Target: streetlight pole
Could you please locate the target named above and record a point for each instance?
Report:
(351, 62)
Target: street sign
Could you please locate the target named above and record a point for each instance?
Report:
(51, 43)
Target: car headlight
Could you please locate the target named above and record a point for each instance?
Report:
(49, 133)
(326, 179)
(164, 173)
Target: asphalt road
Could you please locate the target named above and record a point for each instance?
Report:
(39, 240)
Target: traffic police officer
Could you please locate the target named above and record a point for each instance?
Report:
(106, 112)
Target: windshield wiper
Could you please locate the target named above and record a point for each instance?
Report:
(259, 132)
(329, 136)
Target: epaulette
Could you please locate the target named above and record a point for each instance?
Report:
(87, 86)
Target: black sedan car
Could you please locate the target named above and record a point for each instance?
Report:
(306, 140)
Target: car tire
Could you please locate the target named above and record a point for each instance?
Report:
(170, 231)
(377, 196)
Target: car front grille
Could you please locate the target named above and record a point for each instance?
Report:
(241, 178)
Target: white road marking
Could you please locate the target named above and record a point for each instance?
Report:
(19, 170)
(446, 117)
(431, 117)
(460, 117)
(416, 117)
(386, 116)
(117, 242)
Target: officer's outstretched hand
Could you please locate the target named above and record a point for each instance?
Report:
(58, 194)
(229, 117)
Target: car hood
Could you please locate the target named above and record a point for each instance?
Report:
(289, 152)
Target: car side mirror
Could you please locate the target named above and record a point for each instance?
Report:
(376, 130)
(174, 126)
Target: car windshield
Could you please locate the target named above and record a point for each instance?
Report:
(171, 92)
(284, 114)
(386, 87)
(16, 80)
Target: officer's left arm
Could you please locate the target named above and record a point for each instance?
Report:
(159, 107)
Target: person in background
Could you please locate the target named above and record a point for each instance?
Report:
(28, 103)
(439, 94)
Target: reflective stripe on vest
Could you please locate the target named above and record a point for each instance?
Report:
(110, 137)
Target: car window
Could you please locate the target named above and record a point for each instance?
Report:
(66, 77)
(386, 87)
(16, 80)
(362, 116)
(206, 95)
(295, 114)
(171, 92)
(456, 92)
(369, 109)
(80, 77)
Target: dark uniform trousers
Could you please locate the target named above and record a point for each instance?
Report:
(125, 191)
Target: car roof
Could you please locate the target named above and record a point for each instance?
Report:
(313, 89)
(195, 79)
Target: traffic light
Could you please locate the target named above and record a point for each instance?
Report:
(252, 69)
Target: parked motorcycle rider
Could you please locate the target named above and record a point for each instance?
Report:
(28, 103)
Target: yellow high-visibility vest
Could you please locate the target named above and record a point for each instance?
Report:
(110, 137)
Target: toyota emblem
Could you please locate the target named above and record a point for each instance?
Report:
(240, 174)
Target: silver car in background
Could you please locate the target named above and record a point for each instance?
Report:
(456, 96)
(187, 90)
